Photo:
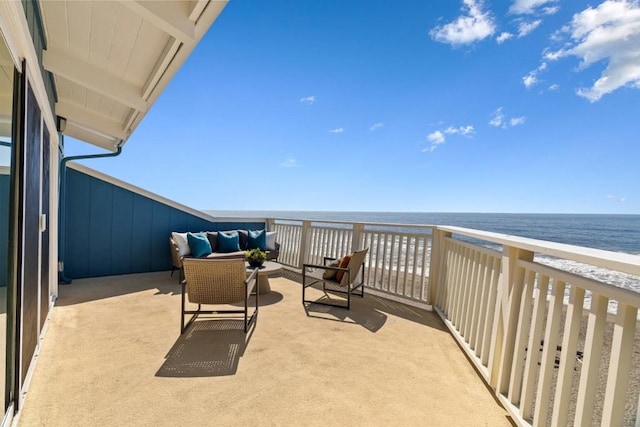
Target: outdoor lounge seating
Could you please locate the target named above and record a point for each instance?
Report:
(217, 282)
(340, 275)
(180, 249)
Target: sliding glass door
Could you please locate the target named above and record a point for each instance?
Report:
(7, 71)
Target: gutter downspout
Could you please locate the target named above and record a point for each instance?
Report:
(62, 226)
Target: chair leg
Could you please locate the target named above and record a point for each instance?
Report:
(182, 311)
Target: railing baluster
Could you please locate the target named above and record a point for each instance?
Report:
(405, 262)
(473, 287)
(549, 354)
(568, 356)
(591, 361)
(482, 308)
(524, 324)
(424, 269)
(384, 262)
(533, 347)
(392, 262)
(375, 271)
(620, 364)
(491, 306)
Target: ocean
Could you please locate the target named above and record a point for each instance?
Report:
(617, 233)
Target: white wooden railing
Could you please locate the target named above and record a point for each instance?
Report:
(517, 318)
(397, 263)
(507, 310)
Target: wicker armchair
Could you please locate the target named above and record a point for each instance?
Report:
(214, 282)
(176, 259)
(347, 283)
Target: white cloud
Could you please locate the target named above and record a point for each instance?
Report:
(376, 126)
(472, 26)
(337, 130)
(554, 87)
(308, 100)
(289, 163)
(525, 7)
(462, 130)
(616, 198)
(611, 33)
(525, 28)
(530, 79)
(498, 119)
(504, 36)
(436, 137)
(515, 121)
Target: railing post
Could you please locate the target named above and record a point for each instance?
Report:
(437, 252)
(270, 223)
(356, 238)
(505, 321)
(305, 241)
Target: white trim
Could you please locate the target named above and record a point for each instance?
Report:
(134, 189)
(19, 37)
(8, 27)
(8, 418)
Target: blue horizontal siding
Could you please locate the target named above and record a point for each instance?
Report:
(111, 230)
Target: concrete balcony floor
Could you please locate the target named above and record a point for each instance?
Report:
(113, 355)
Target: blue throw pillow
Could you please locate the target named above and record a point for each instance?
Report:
(228, 242)
(199, 244)
(257, 239)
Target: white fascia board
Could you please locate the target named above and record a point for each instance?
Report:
(208, 16)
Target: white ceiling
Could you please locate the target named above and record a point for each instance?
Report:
(112, 59)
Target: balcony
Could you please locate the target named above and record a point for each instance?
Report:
(445, 332)
(114, 355)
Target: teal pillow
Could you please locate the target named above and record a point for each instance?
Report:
(257, 239)
(228, 242)
(199, 244)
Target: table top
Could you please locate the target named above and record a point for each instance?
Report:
(267, 268)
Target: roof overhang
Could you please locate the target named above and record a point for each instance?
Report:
(111, 60)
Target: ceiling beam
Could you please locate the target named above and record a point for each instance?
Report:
(81, 72)
(91, 120)
(198, 7)
(83, 134)
(166, 16)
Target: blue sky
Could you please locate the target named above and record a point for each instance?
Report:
(433, 106)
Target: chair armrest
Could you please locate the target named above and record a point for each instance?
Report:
(277, 246)
(248, 280)
(324, 267)
(328, 258)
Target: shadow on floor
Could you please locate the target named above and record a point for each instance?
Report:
(209, 348)
(97, 288)
(370, 312)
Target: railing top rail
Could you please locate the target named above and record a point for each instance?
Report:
(624, 262)
(627, 296)
(375, 224)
